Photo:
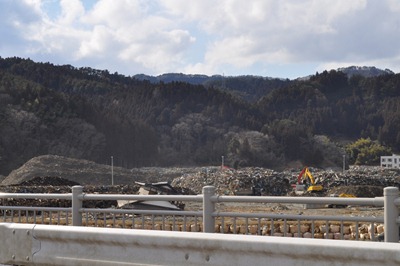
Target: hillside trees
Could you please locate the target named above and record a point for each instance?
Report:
(389, 133)
(37, 120)
(19, 138)
(75, 138)
(366, 152)
(93, 114)
(252, 148)
(250, 88)
(326, 153)
(195, 139)
(292, 137)
(188, 122)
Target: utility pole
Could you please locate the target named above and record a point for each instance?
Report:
(112, 170)
(344, 162)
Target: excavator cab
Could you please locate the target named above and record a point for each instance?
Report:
(306, 180)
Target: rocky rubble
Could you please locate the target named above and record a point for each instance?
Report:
(60, 185)
(56, 174)
(245, 181)
(360, 181)
(251, 181)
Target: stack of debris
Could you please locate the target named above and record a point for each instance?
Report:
(44, 185)
(247, 181)
(48, 181)
(362, 181)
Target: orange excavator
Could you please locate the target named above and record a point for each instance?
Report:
(305, 179)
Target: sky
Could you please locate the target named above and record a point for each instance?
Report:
(270, 38)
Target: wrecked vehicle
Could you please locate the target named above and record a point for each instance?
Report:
(159, 188)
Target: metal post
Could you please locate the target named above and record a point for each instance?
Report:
(76, 205)
(344, 163)
(112, 170)
(208, 209)
(391, 214)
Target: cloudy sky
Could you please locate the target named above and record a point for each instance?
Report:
(286, 38)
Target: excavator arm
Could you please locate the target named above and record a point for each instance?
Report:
(309, 175)
(306, 172)
(301, 175)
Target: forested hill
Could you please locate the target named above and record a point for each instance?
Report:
(249, 88)
(93, 114)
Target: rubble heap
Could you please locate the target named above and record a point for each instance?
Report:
(48, 181)
(362, 181)
(44, 185)
(247, 181)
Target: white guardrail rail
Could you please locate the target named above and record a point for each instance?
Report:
(27, 244)
(34, 235)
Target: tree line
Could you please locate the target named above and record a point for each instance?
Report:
(94, 114)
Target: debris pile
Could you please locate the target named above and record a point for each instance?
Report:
(48, 181)
(247, 181)
(45, 185)
(361, 181)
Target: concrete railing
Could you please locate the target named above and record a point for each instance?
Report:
(209, 216)
(25, 244)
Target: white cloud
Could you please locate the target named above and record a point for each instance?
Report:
(71, 11)
(159, 52)
(394, 5)
(116, 14)
(99, 43)
(153, 37)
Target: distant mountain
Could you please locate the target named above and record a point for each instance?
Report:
(195, 79)
(248, 87)
(364, 71)
(178, 77)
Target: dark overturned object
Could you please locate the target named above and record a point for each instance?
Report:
(159, 188)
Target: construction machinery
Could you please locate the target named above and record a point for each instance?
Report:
(305, 181)
(341, 195)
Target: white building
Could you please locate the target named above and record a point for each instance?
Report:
(392, 161)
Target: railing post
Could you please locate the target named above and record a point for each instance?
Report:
(208, 209)
(391, 213)
(76, 205)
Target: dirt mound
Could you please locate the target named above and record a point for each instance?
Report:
(87, 172)
(80, 171)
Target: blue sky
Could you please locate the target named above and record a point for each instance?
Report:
(286, 38)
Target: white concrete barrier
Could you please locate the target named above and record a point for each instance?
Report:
(26, 244)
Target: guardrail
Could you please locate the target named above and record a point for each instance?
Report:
(27, 244)
(209, 219)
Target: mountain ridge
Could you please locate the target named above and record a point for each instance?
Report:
(197, 79)
(92, 114)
